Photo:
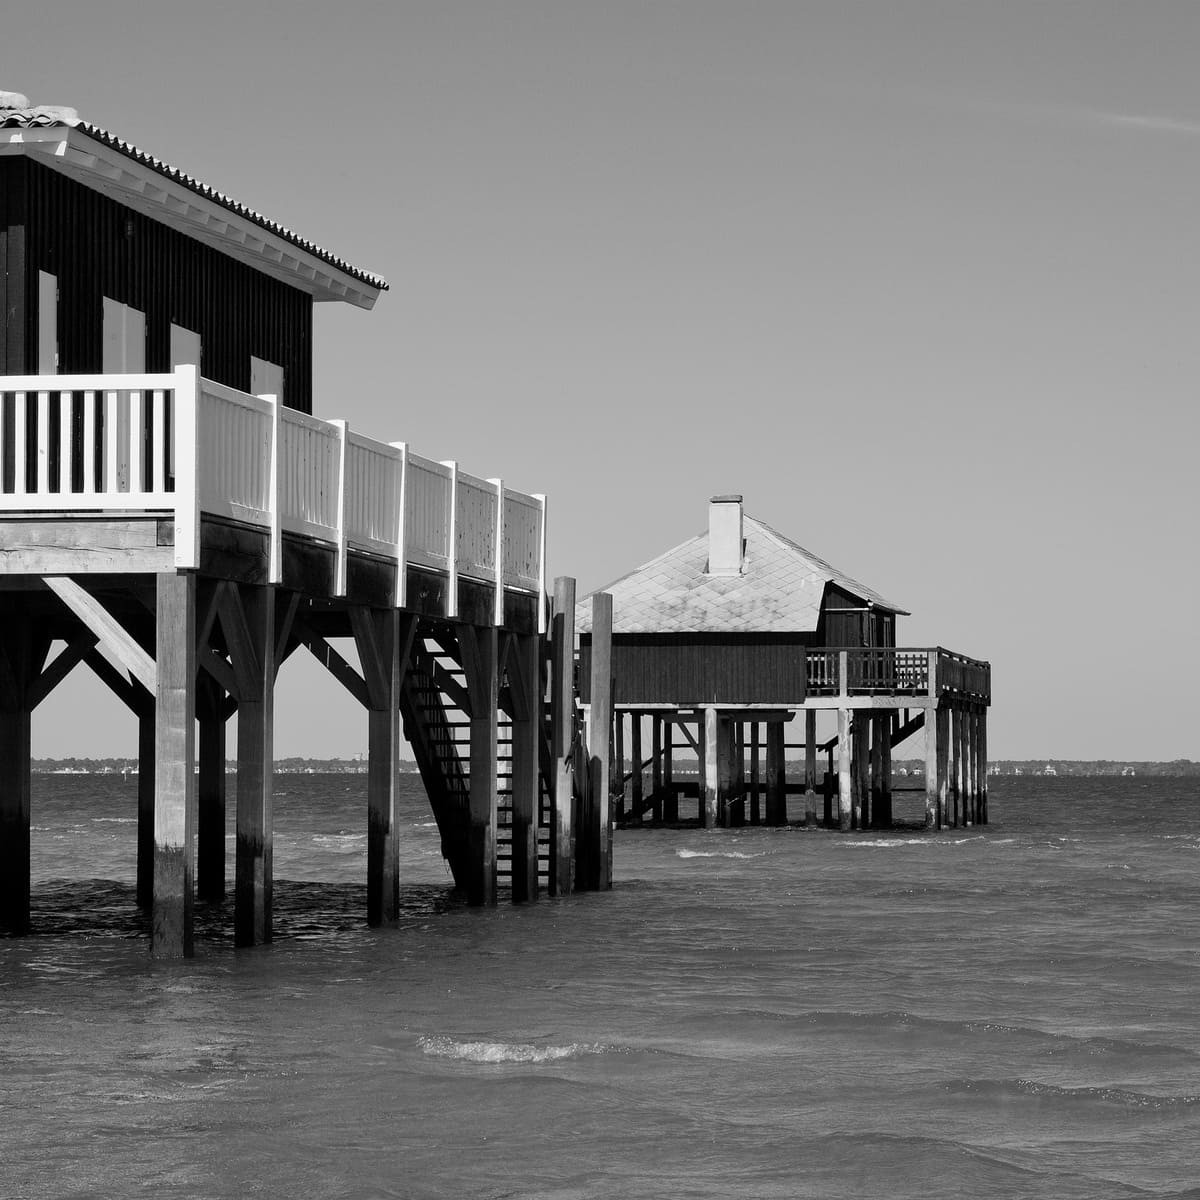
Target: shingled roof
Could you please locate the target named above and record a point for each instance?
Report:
(779, 590)
(59, 139)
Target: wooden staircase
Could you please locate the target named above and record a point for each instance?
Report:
(437, 723)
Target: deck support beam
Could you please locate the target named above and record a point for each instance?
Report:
(636, 778)
(755, 777)
(252, 650)
(932, 739)
(983, 767)
(174, 773)
(145, 809)
(810, 768)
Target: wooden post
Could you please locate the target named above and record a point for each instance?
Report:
(942, 724)
(210, 815)
(875, 769)
(670, 797)
(776, 775)
(885, 783)
(598, 743)
(968, 765)
(810, 767)
(617, 771)
(656, 768)
(737, 774)
(755, 801)
(15, 768)
(932, 743)
(253, 656)
(525, 661)
(709, 760)
(480, 647)
(860, 734)
(983, 767)
(175, 757)
(845, 773)
(145, 818)
(635, 750)
(562, 727)
(383, 765)
(954, 767)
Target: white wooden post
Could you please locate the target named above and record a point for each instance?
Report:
(543, 598)
(89, 443)
(187, 454)
(20, 474)
(275, 559)
(498, 608)
(339, 587)
(135, 430)
(402, 527)
(158, 461)
(65, 460)
(843, 672)
(452, 547)
(43, 443)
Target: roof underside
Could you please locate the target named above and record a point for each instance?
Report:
(779, 590)
(107, 164)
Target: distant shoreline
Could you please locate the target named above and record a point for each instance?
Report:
(910, 766)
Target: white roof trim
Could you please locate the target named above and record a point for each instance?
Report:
(107, 170)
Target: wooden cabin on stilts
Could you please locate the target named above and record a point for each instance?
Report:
(724, 644)
(175, 518)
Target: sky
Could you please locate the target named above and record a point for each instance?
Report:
(920, 280)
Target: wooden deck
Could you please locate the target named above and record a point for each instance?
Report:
(144, 473)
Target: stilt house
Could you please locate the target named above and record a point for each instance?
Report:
(733, 633)
(174, 517)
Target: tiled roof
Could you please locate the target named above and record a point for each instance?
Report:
(779, 590)
(49, 118)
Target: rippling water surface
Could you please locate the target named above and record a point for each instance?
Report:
(1011, 1011)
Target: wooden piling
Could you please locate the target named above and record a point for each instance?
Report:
(885, 783)
(656, 768)
(562, 728)
(211, 797)
(617, 788)
(875, 790)
(709, 765)
(942, 725)
(16, 672)
(635, 781)
(175, 757)
(983, 767)
(755, 781)
(860, 738)
(845, 772)
(251, 611)
(670, 797)
(145, 816)
(598, 743)
(810, 768)
(387, 641)
(932, 741)
(776, 775)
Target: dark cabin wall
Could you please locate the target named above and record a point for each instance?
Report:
(97, 247)
(845, 621)
(690, 669)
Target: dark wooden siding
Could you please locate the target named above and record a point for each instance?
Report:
(702, 669)
(97, 247)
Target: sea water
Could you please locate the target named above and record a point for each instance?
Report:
(1011, 1010)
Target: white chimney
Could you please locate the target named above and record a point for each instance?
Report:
(725, 535)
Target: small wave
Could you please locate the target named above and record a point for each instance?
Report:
(506, 1052)
(339, 839)
(1005, 1089)
(931, 843)
(114, 820)
(716, 854)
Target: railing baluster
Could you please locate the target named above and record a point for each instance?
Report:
(20, 447)
(42, 472)
(66, 443)
(89, 443)
(137, 444)
(111, 478)
(158, 482)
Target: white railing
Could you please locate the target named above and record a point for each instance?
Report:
(179, 446)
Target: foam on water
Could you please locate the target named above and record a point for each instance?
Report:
(717, 854)
(506, 1052)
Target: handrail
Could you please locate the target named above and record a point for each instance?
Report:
(176, 444)
(895, 670)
